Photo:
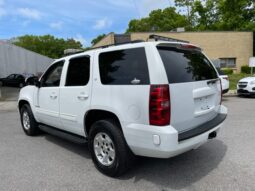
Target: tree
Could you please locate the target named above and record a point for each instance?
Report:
(97, 39)
(188, 4)
(237, 14)
(205, 15)
(47, 45)
(158, 20)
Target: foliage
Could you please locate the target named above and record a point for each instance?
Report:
(158, 20)
(245, 69)
(236, 14)
(97, 39)
(47, 45)
(234, 78)
(227, 71)
(200, 15)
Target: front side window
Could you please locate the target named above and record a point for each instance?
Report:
(78, 71)
(124, 67)
(53, 75)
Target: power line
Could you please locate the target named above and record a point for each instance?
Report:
(136, 8)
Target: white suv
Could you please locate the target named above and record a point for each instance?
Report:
(246, 86)
(154, 99)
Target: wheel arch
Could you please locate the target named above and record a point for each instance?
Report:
(22, 102)
(94, 115)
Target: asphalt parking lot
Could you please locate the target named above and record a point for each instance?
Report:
(49, 163)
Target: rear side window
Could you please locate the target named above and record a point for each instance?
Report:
(124, 67)
(78, 71)
(184, 65)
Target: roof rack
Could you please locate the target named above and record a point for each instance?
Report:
(158, 37)
(118, 44)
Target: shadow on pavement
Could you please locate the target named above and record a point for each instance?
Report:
(81, 150)
(177, 172)
(180, 171)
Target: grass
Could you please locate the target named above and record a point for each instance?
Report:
(234, 78)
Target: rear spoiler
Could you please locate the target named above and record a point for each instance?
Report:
(180, 46)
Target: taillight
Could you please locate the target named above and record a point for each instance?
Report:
(159, 106)
(225, 78)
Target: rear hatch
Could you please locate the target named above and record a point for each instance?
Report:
(195, 89)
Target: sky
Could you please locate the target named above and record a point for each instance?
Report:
(82, 20)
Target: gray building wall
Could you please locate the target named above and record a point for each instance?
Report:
(14, 59)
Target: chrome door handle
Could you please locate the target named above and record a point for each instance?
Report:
(82, 97)
(53, 96)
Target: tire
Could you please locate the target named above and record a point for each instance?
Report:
(119, 161)
(28, 122)
(21, 85)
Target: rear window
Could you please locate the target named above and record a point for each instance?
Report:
(124, 67)
(184, 65)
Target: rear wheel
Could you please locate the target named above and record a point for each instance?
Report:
(108, 148)
(28, 122)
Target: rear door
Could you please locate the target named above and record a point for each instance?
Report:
(75, 94)
(195, 88)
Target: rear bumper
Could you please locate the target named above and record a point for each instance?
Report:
(164, 142)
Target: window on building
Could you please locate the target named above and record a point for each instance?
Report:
(228, 62)
(78, 71)
(123, 67)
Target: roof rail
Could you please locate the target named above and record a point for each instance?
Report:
(158, 37)
(117, 44)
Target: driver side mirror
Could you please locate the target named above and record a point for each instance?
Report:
(33, 81)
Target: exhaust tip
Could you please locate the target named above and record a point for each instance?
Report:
(212, 135)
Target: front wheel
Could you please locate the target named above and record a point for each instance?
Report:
(108, 148)
(28, 122)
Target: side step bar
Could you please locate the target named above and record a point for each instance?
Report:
(63, 134)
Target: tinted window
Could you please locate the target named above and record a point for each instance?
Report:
(11, 76)
(184, 65)
(78, 71)
(124, 67)
(53, 75)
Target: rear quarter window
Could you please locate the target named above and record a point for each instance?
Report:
(183, 65)
(124, 67)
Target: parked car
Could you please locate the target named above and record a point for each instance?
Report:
(16, 80)
(246, 86)
(155, 99)
(224, 80)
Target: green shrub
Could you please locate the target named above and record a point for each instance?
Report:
(246, 69)
(227, 71)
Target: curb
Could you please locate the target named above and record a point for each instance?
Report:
(231, 93)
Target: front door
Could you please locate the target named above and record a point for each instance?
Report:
(48, 96)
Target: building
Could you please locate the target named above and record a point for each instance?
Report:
(230, 49)
(14, 59)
